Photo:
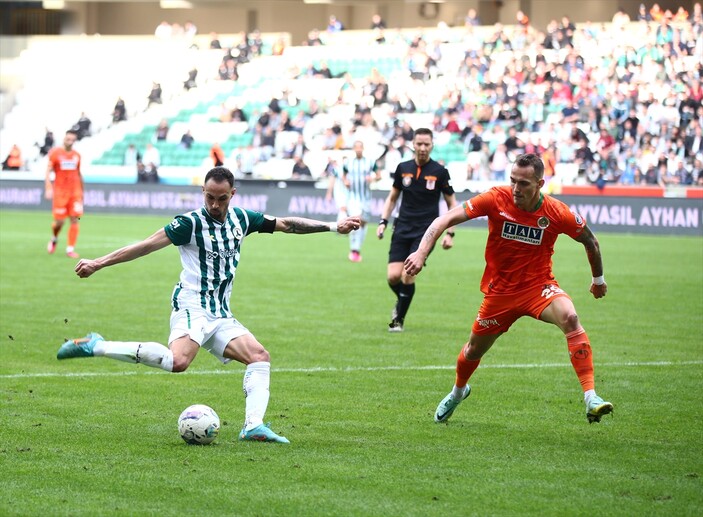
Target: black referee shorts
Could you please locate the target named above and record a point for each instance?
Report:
(402, 246)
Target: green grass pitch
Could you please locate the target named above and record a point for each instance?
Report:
(99, 437)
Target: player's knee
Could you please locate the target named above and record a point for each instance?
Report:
(571, 320)
(394, 279)
(180, 363)
(472, 352)
(259, 354)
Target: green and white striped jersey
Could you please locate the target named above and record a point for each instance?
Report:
(210, 253)
(358, 171)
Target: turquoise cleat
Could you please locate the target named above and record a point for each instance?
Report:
(597, 407)
(81, 347)
(261, 433)
(448, 405)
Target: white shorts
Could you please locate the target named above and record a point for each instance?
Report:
(340, 196)
(360, 209)
(206, 329)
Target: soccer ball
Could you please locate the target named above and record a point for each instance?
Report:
(199, 424)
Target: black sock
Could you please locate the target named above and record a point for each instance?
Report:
(395, 287)
(405, 296)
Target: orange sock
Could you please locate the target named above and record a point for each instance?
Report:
(581, 357)
(464, 369)
(73, 234)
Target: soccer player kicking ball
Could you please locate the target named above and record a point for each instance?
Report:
(209, 241)
(523, 225)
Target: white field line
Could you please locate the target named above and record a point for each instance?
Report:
(333, 369)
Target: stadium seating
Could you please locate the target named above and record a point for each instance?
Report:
(288, 78)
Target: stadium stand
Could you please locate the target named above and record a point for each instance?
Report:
(639, 82)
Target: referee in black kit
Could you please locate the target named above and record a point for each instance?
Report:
(421, 181)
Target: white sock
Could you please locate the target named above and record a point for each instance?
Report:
(353, 240)
(361, 236)
(458, 393)
(588, 394)
(256, 390)
(356, 238)
(151, 354)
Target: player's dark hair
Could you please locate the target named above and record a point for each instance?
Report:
(220, 174)
(72, 132)
(423, 131)
(531, 160)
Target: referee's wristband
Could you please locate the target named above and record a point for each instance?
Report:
(383, 222)
(598, 280)
(333, 227)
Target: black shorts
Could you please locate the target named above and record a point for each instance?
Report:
(402, 247)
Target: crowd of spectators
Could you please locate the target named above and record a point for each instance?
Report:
(622, 101)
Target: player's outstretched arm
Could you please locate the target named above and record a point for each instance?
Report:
(158, 240)
(416, 261)
(302, 225)
(598, 286)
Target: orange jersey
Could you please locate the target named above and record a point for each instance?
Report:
(67, 169)
(520, 244)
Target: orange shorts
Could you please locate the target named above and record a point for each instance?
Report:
(67, 204)
(499, 311)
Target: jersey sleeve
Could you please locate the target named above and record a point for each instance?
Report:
(51, 157)
(256, 221)
(446, 186)
(572, 223)
(398, 178)
(180, 230)
(479, 206)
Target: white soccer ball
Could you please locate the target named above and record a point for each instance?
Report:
(199, 424)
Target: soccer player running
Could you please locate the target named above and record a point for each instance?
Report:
(359, 173)
(209, 241)
(523, 225)
(66, 192)
(421, 181)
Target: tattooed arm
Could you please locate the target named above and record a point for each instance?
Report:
(598, 286)
(448, 239)
(302, 225)
(416, 261)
